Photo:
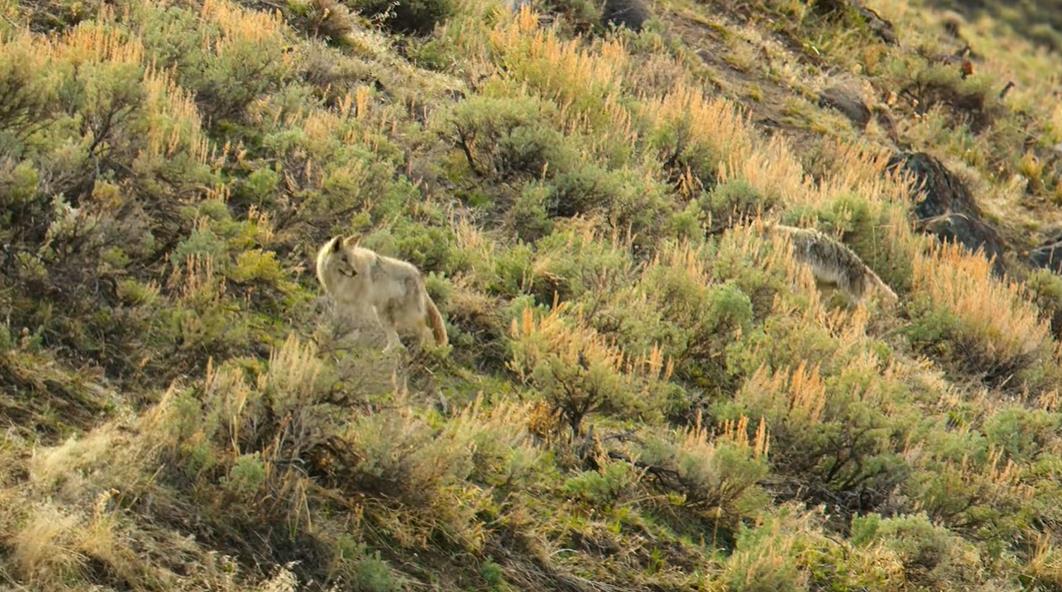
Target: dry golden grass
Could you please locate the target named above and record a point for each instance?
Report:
(64, 467)
(45, 548)
(574, 78)
(574, 343)
(1046, 563)
(97, 42)
(799, 393)
(174, 124)
(240, 25)
(737, 432)
(717, 125)
(995, 315)
(292, 376)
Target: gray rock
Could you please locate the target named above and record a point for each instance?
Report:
(625, 13)
(945, 207)
(848, 102)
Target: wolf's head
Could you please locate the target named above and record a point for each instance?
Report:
(339, 265)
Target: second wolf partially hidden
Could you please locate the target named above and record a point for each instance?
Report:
(369, 285)
(833, 263)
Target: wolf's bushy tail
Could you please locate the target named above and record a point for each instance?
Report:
(882, 286)
(438, 328)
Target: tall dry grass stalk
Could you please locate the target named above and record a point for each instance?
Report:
(293, 372)
(799, 393)
(738, 433)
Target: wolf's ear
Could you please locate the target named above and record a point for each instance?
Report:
(337, 244)
(351, 241)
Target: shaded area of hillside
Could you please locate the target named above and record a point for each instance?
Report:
(1040, 22)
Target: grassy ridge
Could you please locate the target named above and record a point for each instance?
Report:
(643, 390)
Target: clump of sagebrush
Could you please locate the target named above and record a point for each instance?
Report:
(965, 315)
(579, 372)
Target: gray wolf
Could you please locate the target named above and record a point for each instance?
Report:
(369, 285)
(833, 263)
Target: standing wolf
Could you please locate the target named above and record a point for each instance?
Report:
(372, 286)
(832, 262)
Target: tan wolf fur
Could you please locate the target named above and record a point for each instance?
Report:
(369, 286)
(833, 263)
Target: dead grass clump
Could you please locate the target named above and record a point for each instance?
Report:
(986, 324)
(45, 547)
(584, 84)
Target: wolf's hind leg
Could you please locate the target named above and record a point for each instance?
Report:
(393, 341)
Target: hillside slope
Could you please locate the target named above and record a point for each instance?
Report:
(643, 390)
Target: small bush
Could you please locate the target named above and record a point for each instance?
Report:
(675, 305)
(602, 488)
(574, 261)
(716, 476)
(1023, 434)
(931, 555)
(579, 372)
(372, 574)
(732, 201)
(507, 137)
(246, 476)
(493, 575)
(530, 215)
(983, 324)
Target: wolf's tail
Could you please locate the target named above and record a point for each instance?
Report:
(882, 286)
(438, 328)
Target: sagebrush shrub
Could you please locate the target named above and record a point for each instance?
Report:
(579, 372)
(507, 136)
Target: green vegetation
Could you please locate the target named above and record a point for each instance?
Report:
(644, 390)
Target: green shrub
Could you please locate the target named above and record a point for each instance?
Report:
(529, 214)
(507, 137)
(829, 432)
(625, 197)
(602, 488)
(931, 555)
(732, 201)
(259, 187)
(765, 560)
(717, 479)
(493, 575)
(1023, 434)
(372, 574)
(30, 97)
(579, 372)
(675, 306)
(246, 476)
(574, 261)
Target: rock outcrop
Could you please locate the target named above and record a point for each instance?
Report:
(945, 207)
